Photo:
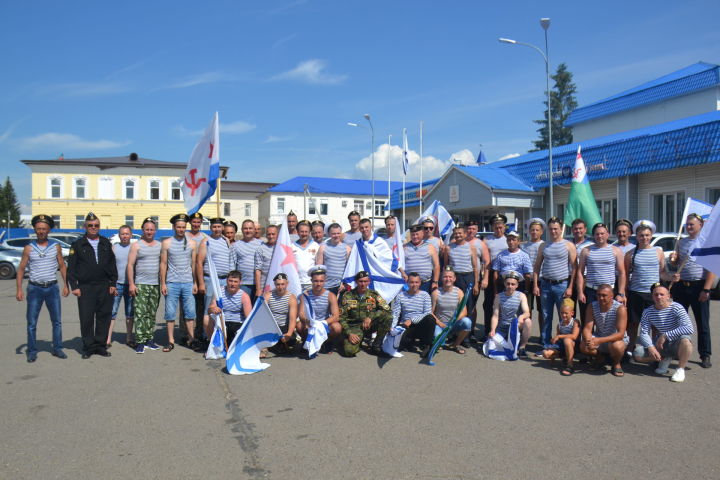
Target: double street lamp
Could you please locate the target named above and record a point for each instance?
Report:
(372, 156)
(545, 24)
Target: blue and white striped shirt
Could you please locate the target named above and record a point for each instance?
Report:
(411, 307)
(605, 323)
(531, 248)
(42, 262)
(245, 259)
(460, 257)
(645, 269)
(518, 261)
(673, 321)
(232, 306)
(334, 258)
(263, 256)
(556, 261)
(692, 270)
(600, 265)
(419, 260)
(222, 254)
(495, 246)
(179, 261)
(320, 304)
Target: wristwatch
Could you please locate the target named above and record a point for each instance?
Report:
(706, 290)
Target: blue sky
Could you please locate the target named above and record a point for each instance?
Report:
(98, 79)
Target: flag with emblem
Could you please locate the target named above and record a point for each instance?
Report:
(257, 332)
(283, 261)
(406, 161)
(581, 203)
(203, 169)
(444, 222)
(707, 246)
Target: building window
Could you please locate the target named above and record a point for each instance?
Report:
(608, 212)
(248, 210)
(175, 190)
(106, 188)
(560, 213)
(281, 205)
(323, 207)
(154, 189)
(129, 189)
(713, 195)
(667, 210)
(55, 187)
(79, 221)
(80, 184)
(311, 207)
(226, 209)
(379, 208)
(130, 221)
(56, 219)
(359, 206)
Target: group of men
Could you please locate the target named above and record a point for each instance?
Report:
(617, 286)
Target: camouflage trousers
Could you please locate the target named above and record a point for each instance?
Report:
(380, 325)
(147, 300)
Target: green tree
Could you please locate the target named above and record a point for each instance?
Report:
(9, 206)
(562, 99)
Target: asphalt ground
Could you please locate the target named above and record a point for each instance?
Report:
(175, 415)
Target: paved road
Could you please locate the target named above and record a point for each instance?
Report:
(175, 415)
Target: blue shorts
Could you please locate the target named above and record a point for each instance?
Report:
(462, 325)
(670, 349)
(123, 292)
(177, 292)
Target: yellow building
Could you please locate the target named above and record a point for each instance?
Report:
(119, 190)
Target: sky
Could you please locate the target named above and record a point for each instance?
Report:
(95, 79)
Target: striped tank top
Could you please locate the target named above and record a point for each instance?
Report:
(179, 261)
(320, 304)
(605, 322)
(460, 257)
(121, 259)
(531, 248)
(447, 303)
(692, 270)
(280, 307)
(556, 262)
(645, 268)
(495, 245)
(263, 255)
(624, 248)
(232, 306)
(600, 265)
(434, 241)
(221, 253)
(418, 260)
(335, 258)
(566, 329)
(147, 264)
(351, 237)
(509, 307)
(245, 259)
(42, 262)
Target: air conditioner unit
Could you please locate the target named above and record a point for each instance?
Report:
(344, 204)
(368, 205)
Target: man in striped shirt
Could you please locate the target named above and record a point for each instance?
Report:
(604, 331)
(413, 310)
(673, 326)
(245, 249)
(263, 255)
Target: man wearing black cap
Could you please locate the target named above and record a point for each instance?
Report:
(92, 275)
(354, 233)
(496, 243)
(223, 256)
(43, 258)
(230, 229)
(362, 312)
(196, 221)
(292, 222)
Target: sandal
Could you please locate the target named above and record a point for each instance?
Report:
(263, 353)
(617, 371)
(169, 347)
(457, 349)
(567, 371)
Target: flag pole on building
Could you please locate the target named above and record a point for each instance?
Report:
(388, 162)
(405, 163)
(421, 165)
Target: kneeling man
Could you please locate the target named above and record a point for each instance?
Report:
(362, 312)
(605, 327)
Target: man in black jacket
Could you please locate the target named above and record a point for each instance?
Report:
(92, 276)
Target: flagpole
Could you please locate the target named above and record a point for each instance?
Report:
(218, 193)
(403, 204)
(388, 162)
(421, 166)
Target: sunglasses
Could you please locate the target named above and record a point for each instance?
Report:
(428, 228)
(93, 225)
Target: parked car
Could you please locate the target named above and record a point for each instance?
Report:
(19, 244)
(9, 263)
(116, 238)
(67, 237)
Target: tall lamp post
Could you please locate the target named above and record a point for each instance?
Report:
(545, 24)
(372, 156)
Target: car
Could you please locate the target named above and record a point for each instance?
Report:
(67, 237)
(19, 244)
(9, 263)
(116, 238)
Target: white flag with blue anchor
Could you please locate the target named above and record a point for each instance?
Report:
(383, 278)
(391, 343)
(500, 348)
(707, 246)
(257, 332)
(444, 222)
(693, 205)
(318, 329)
(217, 346)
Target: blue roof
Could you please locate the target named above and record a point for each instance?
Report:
(681, 143)
(411, 191)
(496, 178)
(696, 77)
(341, 186)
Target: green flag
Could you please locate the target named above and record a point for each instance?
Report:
(581, 203)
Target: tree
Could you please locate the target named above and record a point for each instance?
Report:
(562, 98)
(9, 206)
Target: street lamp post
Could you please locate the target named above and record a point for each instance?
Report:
(545, 24)
(372, 157)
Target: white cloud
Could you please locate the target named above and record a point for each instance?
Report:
(66, 141)
(200, 79)
(312, 72)
(509, 155)
(83, 89)
(463, 157)
(432, 167)
(238, 127)
(278, 139)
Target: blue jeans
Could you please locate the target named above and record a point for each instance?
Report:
(123, 293)
(177, 292)
(462, 325)
(35, 298)
(551, 297)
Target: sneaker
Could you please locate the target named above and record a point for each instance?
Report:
(59, 354)
(705, 362)
(31, 357)
(140, 348)
(662, 368)
(522, 353)
(539, 354)
(152, 345)
(678, 376)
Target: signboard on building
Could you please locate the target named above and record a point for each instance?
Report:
(454, 192)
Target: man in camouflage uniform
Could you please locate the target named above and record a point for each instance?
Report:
(363, 311)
